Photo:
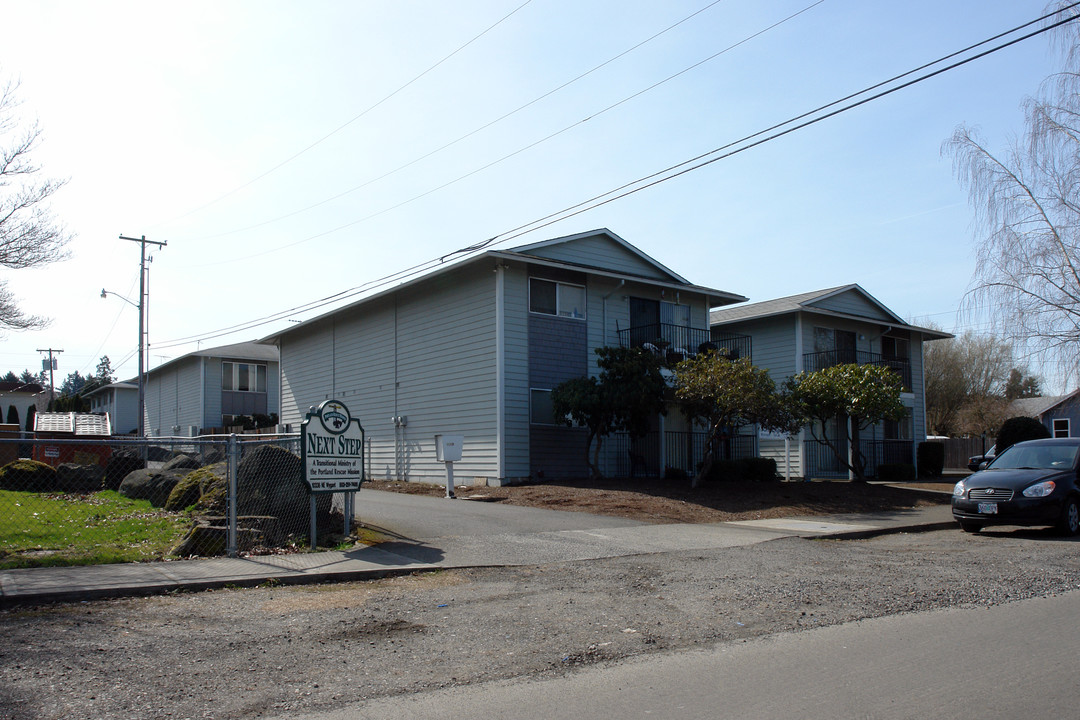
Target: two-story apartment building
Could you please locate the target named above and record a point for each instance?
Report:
(829, 327)
(207, 389)
(475, 348)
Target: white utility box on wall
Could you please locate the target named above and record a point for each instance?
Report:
(448, 450)
(448, 447)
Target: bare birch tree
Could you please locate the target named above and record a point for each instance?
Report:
(1027, 208)
(30, 235)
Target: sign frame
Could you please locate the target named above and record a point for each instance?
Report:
(332, 449)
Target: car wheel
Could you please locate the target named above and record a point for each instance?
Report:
(1070, 517)
(970, 527)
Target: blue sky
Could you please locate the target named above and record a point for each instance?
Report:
(256, 138)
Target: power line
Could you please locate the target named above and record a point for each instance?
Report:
(670, 173)
(341, 127)
(520, 150)
(469, 134)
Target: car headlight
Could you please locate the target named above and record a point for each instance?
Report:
(959, 489)
(1040, 489)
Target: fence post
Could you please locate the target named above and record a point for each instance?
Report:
(233, 463)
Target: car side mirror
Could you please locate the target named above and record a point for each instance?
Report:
(983, 464)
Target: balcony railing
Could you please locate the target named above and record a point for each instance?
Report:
(683, 451)
(822, 462)
(830, 358)
(677, 341)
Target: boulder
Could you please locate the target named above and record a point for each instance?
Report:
(213, 455)
(182, 462)
(28, 476)
(152, 485)
(80, 478)
(120, 464)
(270, 481)
(195, 486)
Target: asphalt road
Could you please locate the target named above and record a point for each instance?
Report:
(472, 533)
(1007, 661)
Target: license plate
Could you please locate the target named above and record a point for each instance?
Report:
(988, 508)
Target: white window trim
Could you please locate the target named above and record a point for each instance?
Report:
(234, 381)
(558, 309)
(1054, 427)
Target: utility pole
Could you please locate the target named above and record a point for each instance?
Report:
(143, 242)
(52, 366)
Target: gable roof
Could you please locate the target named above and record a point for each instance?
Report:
(536, 254)
(812, 302)
(129, 385)
(1036, 407)
(237, 351)
(7, 387)
(538, 250)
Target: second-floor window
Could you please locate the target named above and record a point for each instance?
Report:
(243, 377)
(555, 298)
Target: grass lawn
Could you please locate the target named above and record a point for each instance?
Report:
(42, 529)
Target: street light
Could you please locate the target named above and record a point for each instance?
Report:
(142, 387)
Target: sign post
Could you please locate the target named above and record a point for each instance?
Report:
(332, 453)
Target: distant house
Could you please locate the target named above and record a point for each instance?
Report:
(209, 389)
(834, 326)
(16, 401)
(1060, 415)
(475, 347)
(120, 401)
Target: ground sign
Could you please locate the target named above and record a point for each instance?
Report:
(332, 448)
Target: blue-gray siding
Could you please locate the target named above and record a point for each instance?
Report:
(558, 351)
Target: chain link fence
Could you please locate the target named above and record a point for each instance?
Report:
(85, 501)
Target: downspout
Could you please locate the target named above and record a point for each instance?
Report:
(500, 373)
(603, 312)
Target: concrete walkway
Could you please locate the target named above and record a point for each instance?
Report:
(485, 535)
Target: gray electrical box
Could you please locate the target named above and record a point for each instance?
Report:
(448, 447)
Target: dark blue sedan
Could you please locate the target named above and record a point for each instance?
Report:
(1030, 483)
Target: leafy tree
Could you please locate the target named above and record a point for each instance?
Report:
(30, 236)
(69, 403)
(28, 378)
(864, 395)
(626, 396)
(10, 377)
(73, 384)
(1027, 207)
(727, 395)
(1018, 429)
(104, 371)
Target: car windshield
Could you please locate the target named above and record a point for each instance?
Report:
(1049, 457)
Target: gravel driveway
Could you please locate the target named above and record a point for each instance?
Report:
(270, 652)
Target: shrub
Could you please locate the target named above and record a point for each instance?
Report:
(1019, 429)
(28, 476)
(754, 469)
(758, 469)
(896, 472)
(673, 473)
(931, 459)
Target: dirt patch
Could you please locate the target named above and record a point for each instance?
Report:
(664, 501)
